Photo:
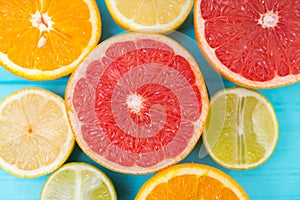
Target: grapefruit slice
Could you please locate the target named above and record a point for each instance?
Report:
(191, 181)
(252, 43)
(137, 103)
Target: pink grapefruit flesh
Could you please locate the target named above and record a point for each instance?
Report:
(252, 43)
(137, 103)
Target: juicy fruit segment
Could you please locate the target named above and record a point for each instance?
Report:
(241, 130)
(255, 44)
(150, 16)
(191, 182)
(138, 103)
(78, 181)
(192, 187)
(42, 41)
(34, 133)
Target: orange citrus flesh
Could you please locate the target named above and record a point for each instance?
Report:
(47, 39)
(254, 44)
(191, 182)
(192, 187)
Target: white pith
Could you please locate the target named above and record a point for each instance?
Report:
(269, 19)
(134, 102)
(42, 21)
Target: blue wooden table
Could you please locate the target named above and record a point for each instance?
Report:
(277, 179)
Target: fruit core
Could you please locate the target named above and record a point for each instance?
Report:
(30, 130)
(269, 19)
(44, 23)
(134, 102)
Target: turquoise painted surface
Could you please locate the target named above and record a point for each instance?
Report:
(277, 179)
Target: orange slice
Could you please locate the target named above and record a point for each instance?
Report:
(149, 16)
(137, 103)
(44, 40)
(252, 43)
(35, 136)
(191, 182)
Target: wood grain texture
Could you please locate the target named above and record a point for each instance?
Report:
(277, 179)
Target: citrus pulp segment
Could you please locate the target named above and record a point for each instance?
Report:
(35, 136)
(44, 40)
(78, 181)
(149, 16)
(241, 130)
(252, 43)
(137, 103)
(191, 182)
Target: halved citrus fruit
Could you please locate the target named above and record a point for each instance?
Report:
(241, 130)
(35, 136)
(191, 182)
(149, 16)
(252, 43)
(43, 40)
(137, 103)
(78, 181)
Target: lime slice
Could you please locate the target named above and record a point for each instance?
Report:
(78, 181)
(241, 130)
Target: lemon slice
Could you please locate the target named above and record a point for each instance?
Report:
(35, 136)
(149, 16)
(242, 128)
(78, 181)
